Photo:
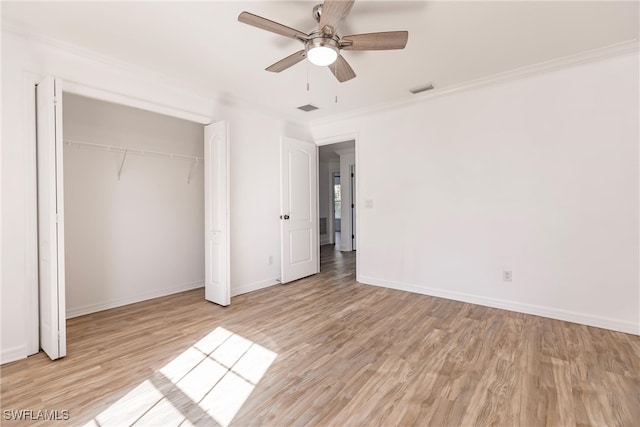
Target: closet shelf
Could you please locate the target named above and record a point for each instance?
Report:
(116, 149)
(125, 151)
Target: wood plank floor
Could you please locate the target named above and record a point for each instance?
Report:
(328, 351)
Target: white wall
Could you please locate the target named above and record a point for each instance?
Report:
(334, 167)
(254, 170)
(347, 160)
(538, 175)
(324, 197)
(255, 197)
(141, 236)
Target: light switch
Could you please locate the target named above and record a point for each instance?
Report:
(368, 204)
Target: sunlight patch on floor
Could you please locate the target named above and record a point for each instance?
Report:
(130, 407)
(208, 383)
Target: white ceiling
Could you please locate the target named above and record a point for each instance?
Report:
(201, 46)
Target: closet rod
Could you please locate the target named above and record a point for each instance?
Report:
(115, 149)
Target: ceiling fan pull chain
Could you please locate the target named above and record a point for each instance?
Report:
(307, 76)
(336, 83)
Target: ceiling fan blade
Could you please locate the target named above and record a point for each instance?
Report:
(274, 27)
(375, 41)
(287, 62)
(342, 70)
(334, 12)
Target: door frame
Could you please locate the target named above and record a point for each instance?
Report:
(30, 80)
(353, 182)
(334, 140)
(332, 203)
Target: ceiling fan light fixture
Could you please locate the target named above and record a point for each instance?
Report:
(323, 46)
(322, 55)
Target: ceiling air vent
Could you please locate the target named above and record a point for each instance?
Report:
(423, 88)
(308, 108)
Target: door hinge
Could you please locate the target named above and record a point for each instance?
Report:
(353, 237)
(352, 175)
(352, 206)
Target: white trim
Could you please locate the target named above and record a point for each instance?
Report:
(31, 216)
(215, 95)
(93, 56)
(351, 136)
(537, 310)
(226, 100)
(129, 101)
(12, 354)
(92, 308)
(236, 103)
(317, 230)
(244, 289)
(594, 55)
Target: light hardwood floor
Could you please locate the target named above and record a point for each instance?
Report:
(328, 351)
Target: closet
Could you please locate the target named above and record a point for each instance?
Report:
(133, 205)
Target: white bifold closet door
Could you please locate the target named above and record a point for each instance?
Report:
(51, 277)
(216, 193)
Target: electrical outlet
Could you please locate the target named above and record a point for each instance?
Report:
(270, 259)
(507, 275)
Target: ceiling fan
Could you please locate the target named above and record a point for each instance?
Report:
(322, 47)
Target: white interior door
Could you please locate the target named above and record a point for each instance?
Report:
(299, 224)
(216, 193)
(51, 282)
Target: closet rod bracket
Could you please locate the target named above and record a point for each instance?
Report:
(124, 157)
(193, 163)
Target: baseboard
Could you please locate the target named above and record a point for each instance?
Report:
(92, 308)
(537, 310)
(12, 354)
(324, 239)
(244, 289)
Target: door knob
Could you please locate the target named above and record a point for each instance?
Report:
(284, 216)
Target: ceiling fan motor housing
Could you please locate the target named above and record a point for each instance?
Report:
(317, 12)
(319, 38)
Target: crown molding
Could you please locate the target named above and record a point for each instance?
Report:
(232, 101)
(91, 55)
(235, 102)
(218, 98)
(594, 55)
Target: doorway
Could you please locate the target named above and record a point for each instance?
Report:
(134, 205)
(337, 198)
